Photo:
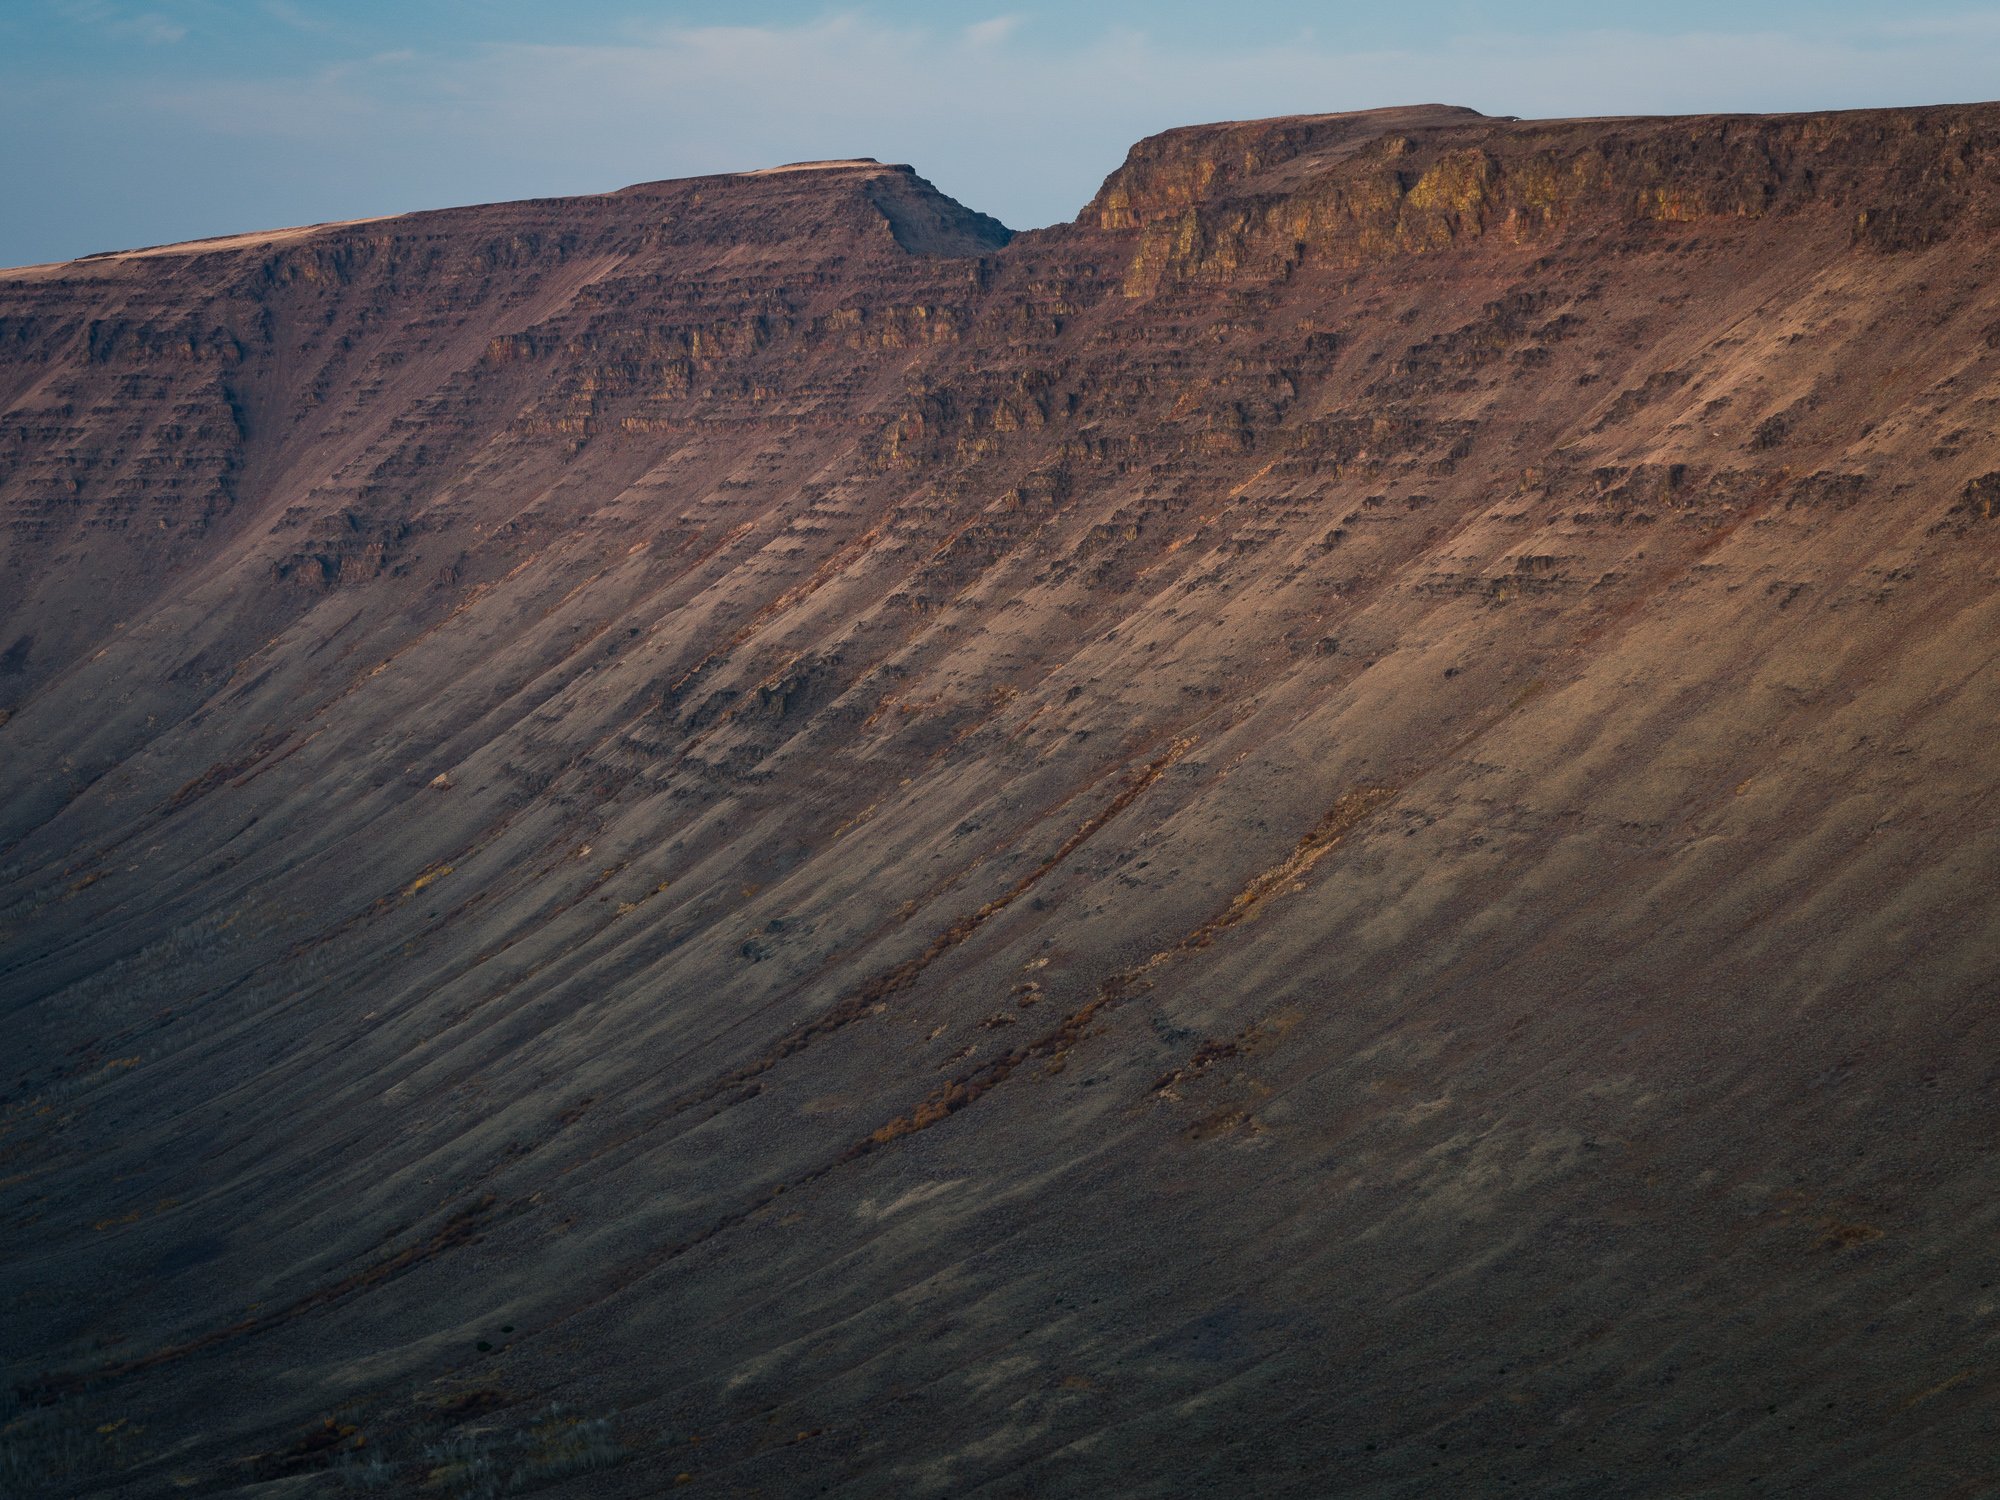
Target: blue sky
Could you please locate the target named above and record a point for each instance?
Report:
(129, 122)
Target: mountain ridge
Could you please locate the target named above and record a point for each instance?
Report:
(1327, 840)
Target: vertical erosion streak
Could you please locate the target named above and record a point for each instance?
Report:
(463, 1228)
(1346, 814)
(865, 998)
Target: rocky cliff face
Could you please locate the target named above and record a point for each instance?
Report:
(1327, 833)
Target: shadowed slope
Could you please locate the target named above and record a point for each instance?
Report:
(1326, 834)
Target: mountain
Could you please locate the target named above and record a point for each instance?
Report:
(1330, 833)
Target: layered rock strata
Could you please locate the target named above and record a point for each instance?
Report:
(1328, 833)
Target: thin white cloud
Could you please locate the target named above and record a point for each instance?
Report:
(147, 27)
(1983, 25)
(297, 17)
(991, 33)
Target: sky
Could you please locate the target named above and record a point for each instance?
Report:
(136, 122)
